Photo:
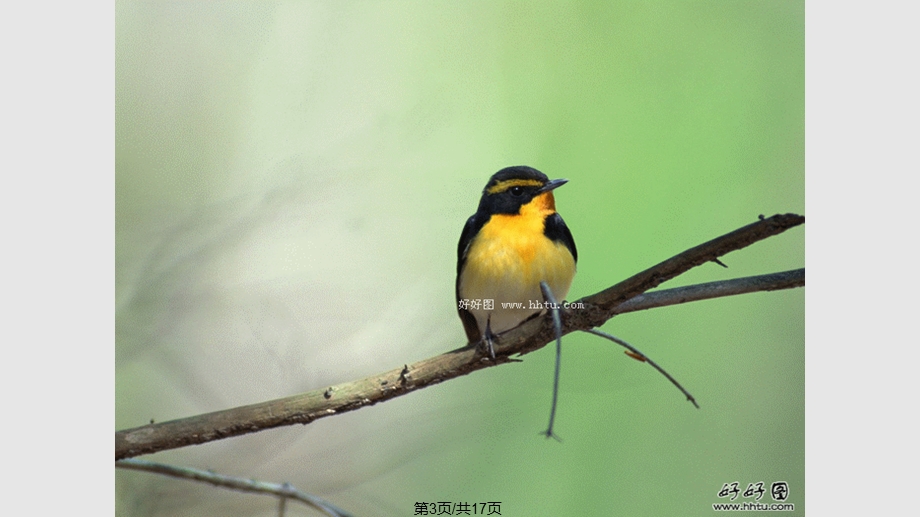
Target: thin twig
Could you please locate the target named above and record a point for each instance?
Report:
(707, 291)
(532, 335)
(283, 491)
(282, 500)
(557, 327)
(644, 358)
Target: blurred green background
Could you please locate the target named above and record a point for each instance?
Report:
(291, 182)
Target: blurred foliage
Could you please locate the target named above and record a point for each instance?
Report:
(291, 181)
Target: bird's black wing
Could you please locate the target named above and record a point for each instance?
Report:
(472, 227)
(556, 230)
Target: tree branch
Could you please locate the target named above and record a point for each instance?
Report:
(694, 293)
(283, 491)
(586, 313)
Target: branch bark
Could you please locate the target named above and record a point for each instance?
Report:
(283, 490)
(586, 313)
(695, 293)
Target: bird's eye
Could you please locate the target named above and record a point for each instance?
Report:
(516, 191)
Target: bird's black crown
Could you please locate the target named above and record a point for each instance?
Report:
(511, 188)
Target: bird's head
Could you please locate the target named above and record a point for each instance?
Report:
(514, 187)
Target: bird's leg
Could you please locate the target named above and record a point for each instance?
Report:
(487, 337)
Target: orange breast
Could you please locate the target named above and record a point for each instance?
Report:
(507, 261)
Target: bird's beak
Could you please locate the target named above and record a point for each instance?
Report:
(551, 184)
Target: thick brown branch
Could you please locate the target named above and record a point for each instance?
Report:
(607, 299)
(597, 308)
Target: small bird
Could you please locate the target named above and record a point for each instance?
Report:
(514, 241)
